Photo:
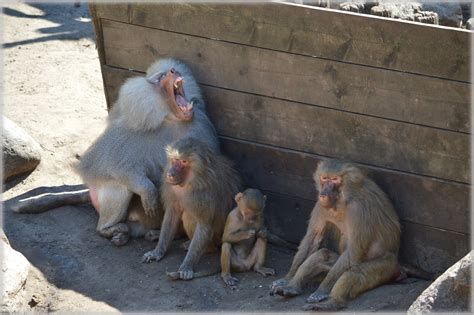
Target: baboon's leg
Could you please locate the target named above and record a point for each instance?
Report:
(317, 263)
(259, 251)
(113, 203)
(199, 243)
(168, 231)
(358, 279)
(227, 261)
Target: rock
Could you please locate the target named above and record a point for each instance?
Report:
(407, 10)
(21, 153)
(358, 6)
(15, 268)
(470, 23)
(466, 12)
(449, 12)
(448, 293)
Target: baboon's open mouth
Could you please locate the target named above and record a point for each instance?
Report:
(182, 103)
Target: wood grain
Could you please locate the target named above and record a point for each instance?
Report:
(335, 35)
(346, 87)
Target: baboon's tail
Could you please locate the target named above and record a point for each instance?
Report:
(411, 271)
(45, 198)
(200, 274)
(274, 239)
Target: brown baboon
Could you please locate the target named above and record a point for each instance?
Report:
(244, 241)
(370, 238)
(198, 185)
(127, 159)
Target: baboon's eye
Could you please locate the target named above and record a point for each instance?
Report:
(184, 162)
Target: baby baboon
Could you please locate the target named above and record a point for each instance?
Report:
(244, 242)
(128, 158)
(370, 238)
(198, 185)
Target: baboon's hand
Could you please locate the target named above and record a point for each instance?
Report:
(262, 233)
(251, 233)
(152, 255)
(317, 296)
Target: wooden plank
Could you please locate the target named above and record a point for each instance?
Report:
(381, 93)
(357, 138)
(111, 11)
(336, 35)
(431, 249)
(113, 80)
(362, 139)
(417, 199)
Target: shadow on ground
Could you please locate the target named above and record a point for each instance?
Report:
(63, 244)
(73, 22)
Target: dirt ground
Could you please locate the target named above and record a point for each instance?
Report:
(53, 89)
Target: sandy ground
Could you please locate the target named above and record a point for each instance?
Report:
(53, 89)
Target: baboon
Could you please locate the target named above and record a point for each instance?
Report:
(126, 161)
(244, 241)
(197, 189)
(369, 242)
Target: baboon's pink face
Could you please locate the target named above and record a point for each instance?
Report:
(329, 190)
(171, 85)
(178, 171)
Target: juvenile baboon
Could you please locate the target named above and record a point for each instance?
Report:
(244, 241)
(198, 185)
(370, 238)
(128, 158)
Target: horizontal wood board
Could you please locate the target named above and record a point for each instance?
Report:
(429, 209)
(394, 95)
(335, 35)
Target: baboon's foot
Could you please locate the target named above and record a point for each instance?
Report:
(229, 280)
(152, 235)
(264, 271)
(287, 291)
(120, 239)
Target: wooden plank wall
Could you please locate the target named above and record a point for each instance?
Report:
(290, 85)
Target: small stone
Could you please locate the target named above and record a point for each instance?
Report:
(21, 153)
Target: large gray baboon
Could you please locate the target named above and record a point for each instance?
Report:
(123, 167)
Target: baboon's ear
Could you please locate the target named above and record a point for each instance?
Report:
(238, 197)
(155, 78)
